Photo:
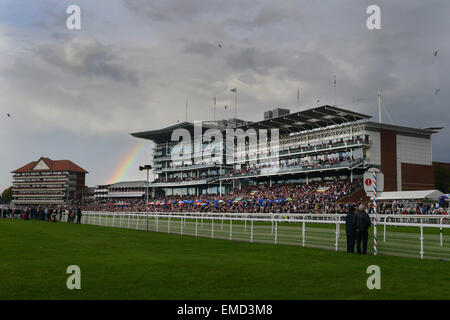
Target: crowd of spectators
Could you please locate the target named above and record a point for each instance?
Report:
(51, 214)
(288, 164)
(316, 196)
(323, 145)
(184, 179)
(33, 213)
(312, 197)
(410, 207)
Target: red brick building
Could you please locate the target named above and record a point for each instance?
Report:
(48, 182)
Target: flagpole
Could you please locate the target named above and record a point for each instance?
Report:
(186, 108)
(214, 108)
(235, 104)
(334, 83)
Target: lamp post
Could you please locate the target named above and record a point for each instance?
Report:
(235, 104)
(147, 168)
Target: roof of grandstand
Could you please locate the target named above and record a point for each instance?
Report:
(50, 165)
(309, 119)
(129, 184)
(403, 129)
(164, 134)
(416, 194)
(303, 120)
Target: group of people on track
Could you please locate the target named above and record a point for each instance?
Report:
(356, 227)
(39, 213)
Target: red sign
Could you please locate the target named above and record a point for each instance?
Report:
(368, 182)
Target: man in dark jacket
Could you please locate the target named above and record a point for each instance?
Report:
(79, 215)
(350, 229)
(362, 223)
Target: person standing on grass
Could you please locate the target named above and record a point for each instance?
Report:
(79, 215)
(350, 229)
(362, 223)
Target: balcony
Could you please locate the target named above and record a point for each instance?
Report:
(183, 183)
(283, 153)
(192, 167)
(316, 167)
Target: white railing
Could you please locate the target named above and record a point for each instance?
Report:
(280, 228)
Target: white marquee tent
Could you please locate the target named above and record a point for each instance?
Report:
(411, 195)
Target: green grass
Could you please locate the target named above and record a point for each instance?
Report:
(130, 264)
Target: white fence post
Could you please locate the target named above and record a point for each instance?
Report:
(196, 226)
(156, 223)
(112, 223)
(181, 230)
(168, 226)
(222, 222)
(212, 227)
(245, 226)
(337, 235)
(421, 242)
(303, 231)
(129, 221)
(276, 231)
(251, 232)
(231, 228)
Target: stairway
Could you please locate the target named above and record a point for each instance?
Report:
(358, 196)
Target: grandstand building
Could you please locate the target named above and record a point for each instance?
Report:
(124, 190)
(48, 182)
(322, 143)
(101, 191)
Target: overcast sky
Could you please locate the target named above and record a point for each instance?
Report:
(77, 94)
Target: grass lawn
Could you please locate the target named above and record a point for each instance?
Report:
(129, 264)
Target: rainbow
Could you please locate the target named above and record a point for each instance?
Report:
(127, 163)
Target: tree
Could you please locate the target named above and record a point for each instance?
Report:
(7, 195)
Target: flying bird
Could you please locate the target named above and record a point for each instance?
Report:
(435, 53)
(219, 45)
(226, 107)
(437, 91)
(9, 116)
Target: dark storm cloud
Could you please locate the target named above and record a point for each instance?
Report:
(135, 62)
(204, 48)
(174, 10)
(272, 15)
(87, 57)
(253, 59)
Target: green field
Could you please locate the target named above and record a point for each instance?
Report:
(131, 264)
(400, 241)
